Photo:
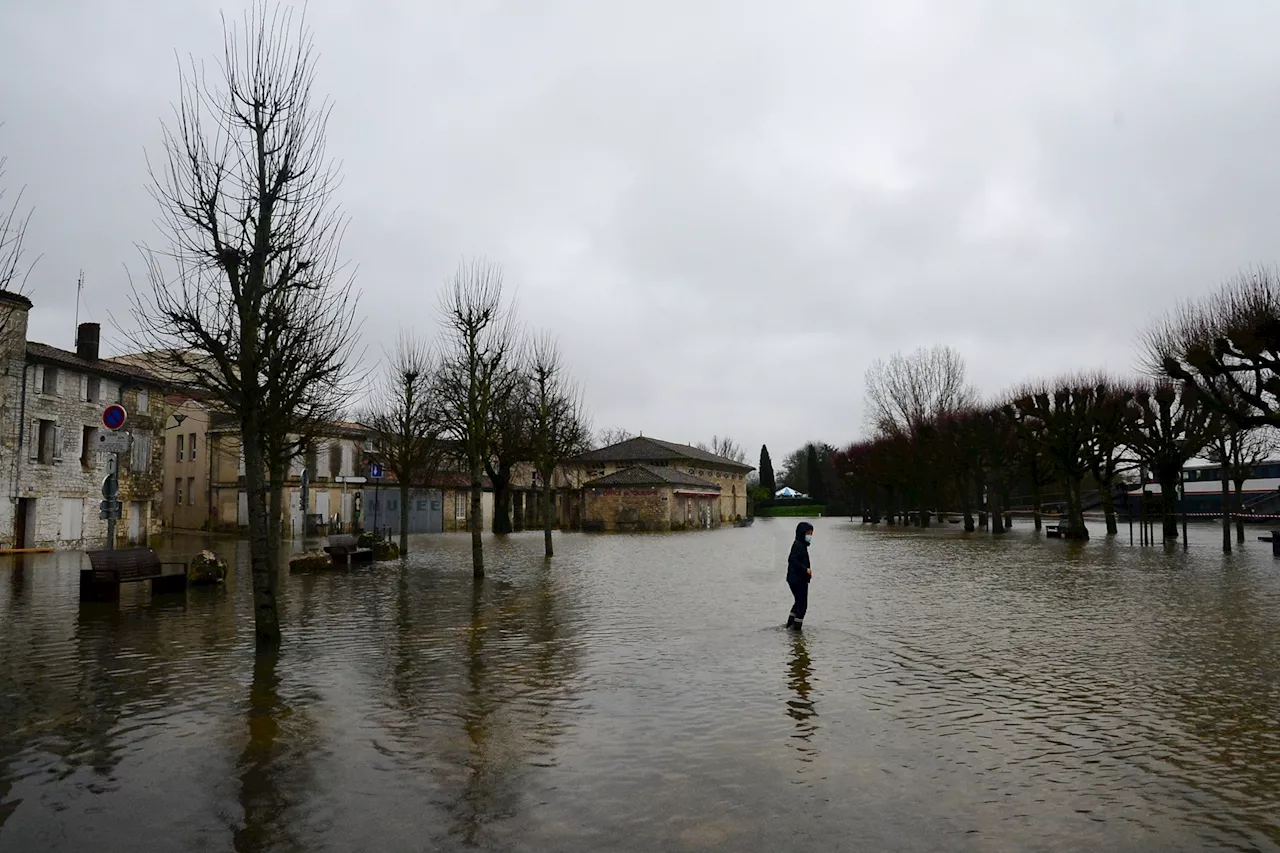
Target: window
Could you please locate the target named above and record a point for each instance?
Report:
(191, 447)
(49, 384)
(144, 401)
(47, 442)
(459, 506)
(180, 438)
(88, 441)
(177, 491)
(311, 460)
(140, 453)
(92, 389)
(191, 491)
(335, 460)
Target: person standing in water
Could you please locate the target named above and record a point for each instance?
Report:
(799, 574)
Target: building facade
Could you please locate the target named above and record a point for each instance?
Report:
(188, 466)
(334, 463)
(697, 488)
(51, 405)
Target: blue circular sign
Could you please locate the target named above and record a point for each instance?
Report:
(113, 417)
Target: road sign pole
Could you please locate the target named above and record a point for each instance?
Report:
(110, 491)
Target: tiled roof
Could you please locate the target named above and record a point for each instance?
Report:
(102, 367)
(643, 475)
(645, 449)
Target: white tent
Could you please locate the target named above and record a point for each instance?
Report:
(788, 492)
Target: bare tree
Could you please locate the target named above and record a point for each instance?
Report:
(1226, 348)
(509, 436)
(13, 229)
(13, 270)
(1058, 419)
(908, 391)
(1167, 428)
(612, 435)
(480, 345)
(245, 191)
(725, 447)
(559, 426)
(1237, 451)
(403, 421)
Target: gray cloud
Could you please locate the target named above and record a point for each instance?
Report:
(725, 210)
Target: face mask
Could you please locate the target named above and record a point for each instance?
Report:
(808, 537)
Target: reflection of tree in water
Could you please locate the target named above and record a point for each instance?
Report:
(506, 683)
(272, 765)
(800, 706)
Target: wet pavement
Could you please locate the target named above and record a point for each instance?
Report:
(639, 693)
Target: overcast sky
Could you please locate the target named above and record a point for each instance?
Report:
(724, 210)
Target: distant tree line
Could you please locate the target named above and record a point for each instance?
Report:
(1209, 388)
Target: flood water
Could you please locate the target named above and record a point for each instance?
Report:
(639, 693)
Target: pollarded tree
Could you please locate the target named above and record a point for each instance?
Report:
(558, 423)
(726, 447)
(1059, 419)
(1226, 348)
(480, 347)
(246, 192)
(1107, 452)
(1168, 428)
(404, 422)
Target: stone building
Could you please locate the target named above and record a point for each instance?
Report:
(333, 461)
(51, 404)
(648, 484)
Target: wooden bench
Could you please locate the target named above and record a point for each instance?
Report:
(109, 569)
(343, 550)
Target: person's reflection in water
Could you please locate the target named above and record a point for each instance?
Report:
(800, 706)
(265, 825)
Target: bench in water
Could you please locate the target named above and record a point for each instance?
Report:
(109, 569)
(343, 550)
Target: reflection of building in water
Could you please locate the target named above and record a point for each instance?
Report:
(800, 706)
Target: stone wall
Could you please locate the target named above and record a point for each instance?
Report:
(635, 508)
(60, 480)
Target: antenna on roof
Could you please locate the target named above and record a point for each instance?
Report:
(79, 287)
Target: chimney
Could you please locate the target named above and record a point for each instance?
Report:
(87, 341)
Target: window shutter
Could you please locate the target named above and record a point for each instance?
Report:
(39, 386)
(33, 440)
(57, 442)
(84, 388)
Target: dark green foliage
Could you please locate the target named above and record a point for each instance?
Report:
(767, 480)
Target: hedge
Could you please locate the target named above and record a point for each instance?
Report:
(793, 511)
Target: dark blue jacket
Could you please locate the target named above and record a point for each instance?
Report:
(798, 562)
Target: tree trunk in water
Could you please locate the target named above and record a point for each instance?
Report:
(547, 515)
(266, 619)
(476, 523)
(1239, 511)
(1226, 511)
(997, 517)
(966, 507)
(501, 500)
(275, 510)
(1075, 514)
(1035, 501)
(889, 508)
(1109, 507)
(404, 519)
(1169, 506)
